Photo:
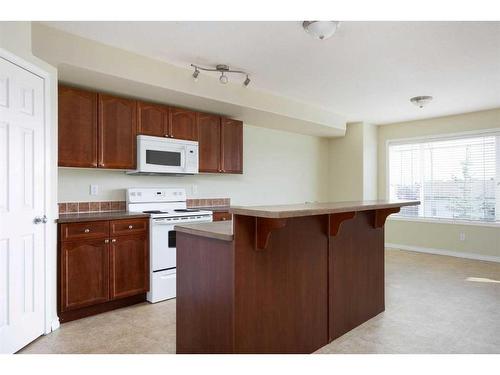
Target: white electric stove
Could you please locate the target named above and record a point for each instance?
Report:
(167, 208)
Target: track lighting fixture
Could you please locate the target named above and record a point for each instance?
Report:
(223, 70)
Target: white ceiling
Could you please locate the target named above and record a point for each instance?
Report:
(367, 71)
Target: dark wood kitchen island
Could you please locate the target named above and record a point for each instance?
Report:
(280, 279)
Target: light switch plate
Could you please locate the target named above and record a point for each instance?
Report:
(94, 189)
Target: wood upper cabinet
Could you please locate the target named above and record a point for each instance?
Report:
(117, 132)
(129, 269)
(209, 143)
(77, 134)
(232, 146)
(152, 119)
(183, 124)
(84, 273)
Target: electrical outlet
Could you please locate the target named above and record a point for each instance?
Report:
(94, 189)
(194, 189)
(462, 236)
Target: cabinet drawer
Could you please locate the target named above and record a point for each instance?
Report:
(128, 226)
(79, 231)
(221, 216)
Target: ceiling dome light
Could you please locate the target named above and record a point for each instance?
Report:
(421, 101)
(321, 29)
(223, 78)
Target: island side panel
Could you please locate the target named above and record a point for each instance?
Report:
(356, 280)
(281, 292)
(205, 291)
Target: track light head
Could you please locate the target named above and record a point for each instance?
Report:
(223, 78)
(196, 73)
(246, 82)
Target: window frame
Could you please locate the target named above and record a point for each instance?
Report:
(437, 137)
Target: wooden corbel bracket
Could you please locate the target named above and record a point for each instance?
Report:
(337, 219)
(381, 215)
(263, 228)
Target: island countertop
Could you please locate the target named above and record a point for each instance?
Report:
(322, 208)
(220, 230)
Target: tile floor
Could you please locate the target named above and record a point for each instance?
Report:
(434, 304)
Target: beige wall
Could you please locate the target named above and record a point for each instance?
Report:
(352, 164)
(478, 239)
(279, 167)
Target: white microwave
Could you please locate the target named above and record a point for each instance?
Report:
(157, 155)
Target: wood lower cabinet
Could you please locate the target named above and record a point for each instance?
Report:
(102, 265)
(232, 146)
(209, 143)
(183, 124)
(77, 135)
(221, 216)
(85, 273)
(152, 119)
(129, 266)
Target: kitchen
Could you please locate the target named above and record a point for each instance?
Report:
(187, 200)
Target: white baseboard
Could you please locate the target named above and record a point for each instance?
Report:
(451, 253)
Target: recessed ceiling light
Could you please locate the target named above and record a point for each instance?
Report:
(321, 29)
(421, 101)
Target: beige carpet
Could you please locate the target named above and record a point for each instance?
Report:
(434, 304)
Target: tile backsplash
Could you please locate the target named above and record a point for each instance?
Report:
(78, 207)
(81, 207)
(211, 202)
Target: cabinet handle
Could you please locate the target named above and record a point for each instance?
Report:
(130, 226)
(166, 135)
(106, 241)
(113, 240)
(87, 230)
(224, 218)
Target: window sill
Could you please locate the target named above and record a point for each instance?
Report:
(445, 221)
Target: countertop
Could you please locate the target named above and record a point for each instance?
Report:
(220, 230)
(95, 216)
(311, 209)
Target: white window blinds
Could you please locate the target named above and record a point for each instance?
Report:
(454, 178)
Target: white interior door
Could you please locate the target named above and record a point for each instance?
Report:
(22, 199)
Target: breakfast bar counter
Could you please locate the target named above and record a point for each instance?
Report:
(280, 279)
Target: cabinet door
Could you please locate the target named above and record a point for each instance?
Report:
(183, 124)
(209, 145)
(77, 134)
(221, 216)
(232, 146)
(129, 266)
(84, 273)
(117, 132)
(152, 119)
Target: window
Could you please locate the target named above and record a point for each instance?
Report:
(454, 178)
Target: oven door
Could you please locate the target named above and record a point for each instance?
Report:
(163, 241)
